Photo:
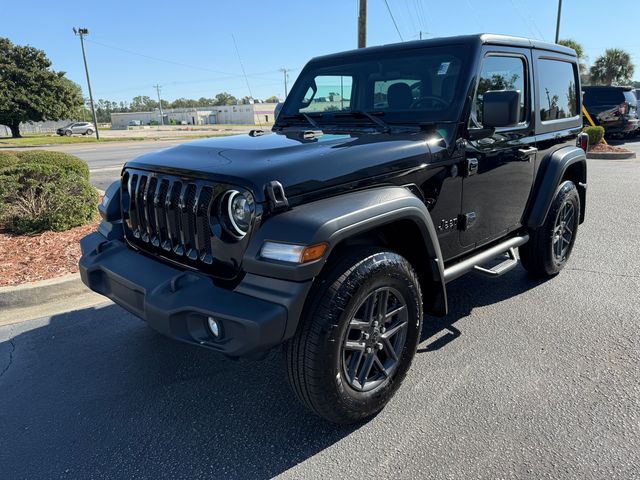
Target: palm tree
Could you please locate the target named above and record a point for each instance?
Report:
(582, 58)
(613, 67)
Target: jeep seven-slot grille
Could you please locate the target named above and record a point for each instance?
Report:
(169, 215)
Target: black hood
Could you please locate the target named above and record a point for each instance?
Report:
(300, 165)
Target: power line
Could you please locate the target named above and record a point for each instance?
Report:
(171, 62)
(416, 27)
(524, 20)
(393, 20)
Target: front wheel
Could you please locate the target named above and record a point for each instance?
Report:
(68, 133)
(550, 245)
(358, 336)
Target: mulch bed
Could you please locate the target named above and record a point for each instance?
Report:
(29, 258)
(602, 148)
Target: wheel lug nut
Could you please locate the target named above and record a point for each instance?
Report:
(382, 330)
(365, 336)
(379, 346)
(368, 350)
(375, 324)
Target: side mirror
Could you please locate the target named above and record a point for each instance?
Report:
(276, 111)
(500, 108)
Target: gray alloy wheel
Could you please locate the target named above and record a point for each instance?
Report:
(374, 339)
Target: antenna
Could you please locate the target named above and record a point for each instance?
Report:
(246, 79)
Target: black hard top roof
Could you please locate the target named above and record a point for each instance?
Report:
(478, 39)
(615, 87)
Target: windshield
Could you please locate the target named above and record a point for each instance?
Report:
(411, 86)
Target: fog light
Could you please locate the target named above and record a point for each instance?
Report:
(214, 326)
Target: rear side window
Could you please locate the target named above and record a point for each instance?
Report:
(500, 73)
(558, 93)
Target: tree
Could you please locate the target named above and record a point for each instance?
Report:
(613, 67)
(30, 90)
(225, 98)
(143, 103)
(582, 58)
(272, 99)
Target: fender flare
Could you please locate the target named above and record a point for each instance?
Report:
(338, 218)
(547, 184)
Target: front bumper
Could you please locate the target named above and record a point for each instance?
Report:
(254, 315)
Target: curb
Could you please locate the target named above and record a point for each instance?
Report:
(38, 293)
(611, 155)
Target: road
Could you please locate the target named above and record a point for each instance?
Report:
(105, 160)
(523, 379)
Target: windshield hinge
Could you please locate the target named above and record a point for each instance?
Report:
(275, 194)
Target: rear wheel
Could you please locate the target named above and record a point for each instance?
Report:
(89, 132)
(358, 336)
(550, 245)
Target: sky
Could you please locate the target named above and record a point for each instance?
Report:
(197, 48)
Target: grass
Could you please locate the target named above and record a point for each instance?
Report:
(42, 140)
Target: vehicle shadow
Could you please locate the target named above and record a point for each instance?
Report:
(96, 394)
(466, 293)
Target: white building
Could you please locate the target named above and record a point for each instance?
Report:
(253, 114)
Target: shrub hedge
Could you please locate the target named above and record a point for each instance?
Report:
(61, 160)
(45, 191)
(8, 159)
(596, 134)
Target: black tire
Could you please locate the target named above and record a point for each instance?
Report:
(317, 356)
(68, 133)
(550, 245)
(89, 132)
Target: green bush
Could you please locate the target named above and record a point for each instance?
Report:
(64, 161)
(596, 134)
(35, 197)
(8, 159)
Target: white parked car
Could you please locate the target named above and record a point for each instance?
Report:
(76, 128)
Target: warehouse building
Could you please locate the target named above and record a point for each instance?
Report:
(252, 114)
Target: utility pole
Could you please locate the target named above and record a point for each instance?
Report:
(157, 87)
(285, 72)
(362, 24)
(558, 22)
(81, 32)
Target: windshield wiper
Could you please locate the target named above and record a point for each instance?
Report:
(303, 115)
(385, 127)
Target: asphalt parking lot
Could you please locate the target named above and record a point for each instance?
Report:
(523, 379)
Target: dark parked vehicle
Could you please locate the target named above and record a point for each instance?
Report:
(76, 128)
(390, 172)
(614, 108)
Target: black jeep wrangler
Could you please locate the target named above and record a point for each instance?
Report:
(389, 172)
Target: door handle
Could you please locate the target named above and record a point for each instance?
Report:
(472, 166)
(528, 150)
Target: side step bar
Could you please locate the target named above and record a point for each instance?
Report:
(475, 262)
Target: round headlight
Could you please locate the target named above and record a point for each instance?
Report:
(240, 208)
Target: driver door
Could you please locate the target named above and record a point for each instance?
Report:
(499, 169)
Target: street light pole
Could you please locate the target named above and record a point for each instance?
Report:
(558, 21)
(81, 32)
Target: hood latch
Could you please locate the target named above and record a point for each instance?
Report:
(277, 198)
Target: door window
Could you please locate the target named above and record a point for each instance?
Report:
(557, 90)
(329, 93)
(500, 73)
